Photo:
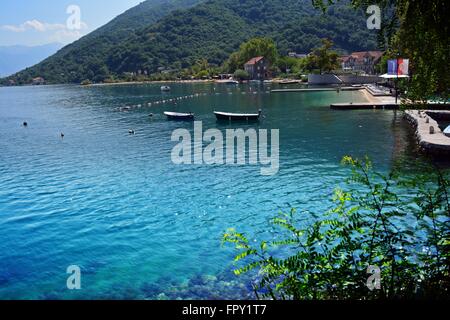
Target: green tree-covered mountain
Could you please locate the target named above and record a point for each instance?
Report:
(152, 35)
(85, 58)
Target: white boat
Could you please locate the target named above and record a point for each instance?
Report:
(447, 131)
(165, 88)
(237, 116)
(179, 116)
(289, 82)
(227, 81)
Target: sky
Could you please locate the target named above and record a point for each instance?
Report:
(39, 22)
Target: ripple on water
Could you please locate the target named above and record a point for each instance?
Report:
(138, 225)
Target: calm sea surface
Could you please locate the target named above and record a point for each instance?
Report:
(139, 226)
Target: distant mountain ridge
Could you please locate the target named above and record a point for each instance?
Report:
(175, 33)
(16, 58)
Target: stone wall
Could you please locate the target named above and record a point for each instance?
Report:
(351, 79)
(430, 137)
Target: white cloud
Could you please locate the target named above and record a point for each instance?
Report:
(35, 25)
(65, 36)
(57, 32)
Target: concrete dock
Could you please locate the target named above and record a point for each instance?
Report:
(382, 102)
(429, 136)
(428, 133)
(377, 91)
(365, 106)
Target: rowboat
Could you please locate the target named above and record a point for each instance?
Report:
(179, 116)
(238, 116)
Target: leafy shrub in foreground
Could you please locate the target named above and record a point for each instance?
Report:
(399, 225)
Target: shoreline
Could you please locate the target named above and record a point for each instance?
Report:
(378, 99)
(122, 83)
(429, 136)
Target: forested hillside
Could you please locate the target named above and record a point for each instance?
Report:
(86, 58)
(211, 30)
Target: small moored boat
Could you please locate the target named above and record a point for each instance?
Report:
(289, 82)
(447, 131)
(179, 116)
(238, 116)
(165, 88)
(227, 81)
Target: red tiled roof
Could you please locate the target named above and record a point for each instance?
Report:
(254, 60)
(362, 54)
(359, 56)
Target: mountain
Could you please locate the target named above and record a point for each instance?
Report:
(83, 59)
(16, 58)
(213, 30)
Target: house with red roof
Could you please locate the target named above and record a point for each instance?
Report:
(257, 68)
(363, 61)
(38, 81)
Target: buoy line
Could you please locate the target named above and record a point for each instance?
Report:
(159, 102)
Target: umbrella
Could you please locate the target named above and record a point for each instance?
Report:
(394, 76)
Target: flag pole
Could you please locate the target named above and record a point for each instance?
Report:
(396, 82)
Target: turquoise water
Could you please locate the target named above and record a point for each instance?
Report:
(139, 226)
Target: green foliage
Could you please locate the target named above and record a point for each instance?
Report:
(399, 224)
(154, 35)
(202, 69)
(424, 38)
(241, 75)
(323, 58)
(291, 65)
(255, 47)
(421, 36)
